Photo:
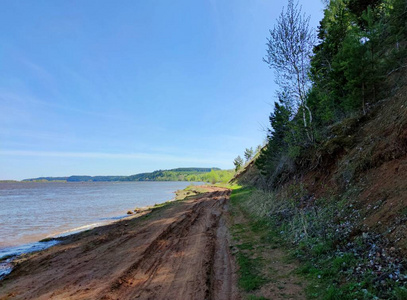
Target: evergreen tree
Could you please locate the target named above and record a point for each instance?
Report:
(277, 137)
(328, 79)
(238, 162)
(248, 153)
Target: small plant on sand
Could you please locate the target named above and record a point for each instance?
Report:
(47, 240)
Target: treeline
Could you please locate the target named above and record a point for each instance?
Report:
(353, 60)
(78, 178)
(212, 175)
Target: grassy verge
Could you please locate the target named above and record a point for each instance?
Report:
(258, 253)
(249, 268)
(339, 259)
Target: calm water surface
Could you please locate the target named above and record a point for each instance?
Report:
(32, 211)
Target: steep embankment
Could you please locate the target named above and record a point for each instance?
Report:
(366, 154)
(342, 205)
(179, 251)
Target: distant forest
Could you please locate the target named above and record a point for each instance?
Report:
(212, 175)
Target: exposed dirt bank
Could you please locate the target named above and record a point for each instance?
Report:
(178, 251)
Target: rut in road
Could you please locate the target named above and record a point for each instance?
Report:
(190, 259)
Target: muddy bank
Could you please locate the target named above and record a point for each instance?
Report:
(178, 251)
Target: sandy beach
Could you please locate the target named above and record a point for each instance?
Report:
(177, 251)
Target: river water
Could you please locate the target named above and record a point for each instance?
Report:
(31, 211)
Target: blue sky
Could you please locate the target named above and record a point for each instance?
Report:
(123, 87)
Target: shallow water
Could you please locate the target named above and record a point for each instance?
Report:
(31, 211)
(9, 253)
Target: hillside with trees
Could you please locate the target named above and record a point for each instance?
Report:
(357, 62)
(212, 175)
(331, 180)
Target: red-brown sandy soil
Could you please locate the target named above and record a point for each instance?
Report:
(179, 251)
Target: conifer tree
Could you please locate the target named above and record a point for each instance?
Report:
(238, 162)
(248, 153)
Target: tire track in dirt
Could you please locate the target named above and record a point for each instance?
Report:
(179, 252)
(179, 264)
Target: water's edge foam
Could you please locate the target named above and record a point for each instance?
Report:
(7, 255)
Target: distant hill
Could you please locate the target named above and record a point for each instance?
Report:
(178, 174)
(79, 178)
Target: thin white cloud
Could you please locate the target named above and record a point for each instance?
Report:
(39, 71)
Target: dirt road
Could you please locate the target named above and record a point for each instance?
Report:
(179, 251)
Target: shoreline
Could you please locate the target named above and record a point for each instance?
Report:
(9, 254)
(181, 236)
(102, 220)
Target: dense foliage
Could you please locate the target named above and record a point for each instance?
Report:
(360, 49)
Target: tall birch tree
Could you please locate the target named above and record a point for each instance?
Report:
(289, 50)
